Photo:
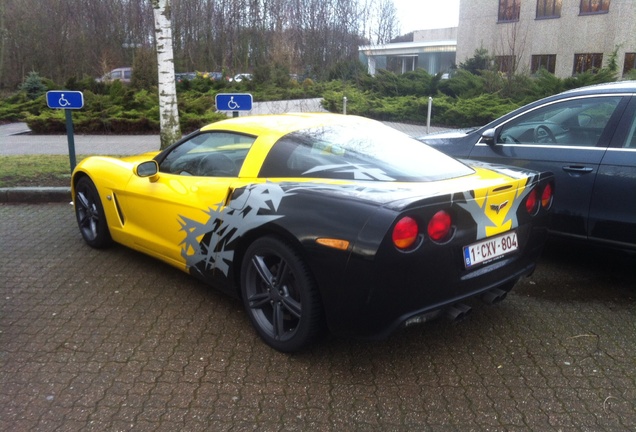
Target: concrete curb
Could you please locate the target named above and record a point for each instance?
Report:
(35, 194)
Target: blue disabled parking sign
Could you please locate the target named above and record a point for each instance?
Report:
(65, 99)
(233, 102)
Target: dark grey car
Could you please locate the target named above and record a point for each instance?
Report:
(587, 138)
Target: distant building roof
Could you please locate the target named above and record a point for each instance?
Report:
(403, 48)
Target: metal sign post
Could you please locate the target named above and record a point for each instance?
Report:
(67, 100)
(233, 102)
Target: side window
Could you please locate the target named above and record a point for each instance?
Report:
(576, 122)
(209, 154)
(630, 142)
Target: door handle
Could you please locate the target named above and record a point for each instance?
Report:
(577, 169)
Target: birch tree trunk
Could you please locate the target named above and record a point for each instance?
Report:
(168, 109)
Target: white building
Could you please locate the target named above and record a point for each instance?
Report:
(433, 50)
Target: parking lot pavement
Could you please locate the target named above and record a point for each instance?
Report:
(84, 144)
(114, 340)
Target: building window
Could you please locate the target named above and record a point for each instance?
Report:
(587, 62)
(505, 64)
(548, 8)
(544, 61)
(594, 6)
(630, 63)
(509, 10)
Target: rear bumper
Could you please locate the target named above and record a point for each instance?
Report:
(490, 294)
(385, 296)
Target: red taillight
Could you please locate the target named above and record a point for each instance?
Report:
(546, 196)
(531, 202)
(405, 233)
(439, 226)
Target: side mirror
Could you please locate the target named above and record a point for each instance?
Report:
(488, 137)
(148, 169)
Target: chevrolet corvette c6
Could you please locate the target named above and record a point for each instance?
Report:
(315, 219)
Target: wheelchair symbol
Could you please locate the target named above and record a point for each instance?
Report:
(231, 104)
(63, 102)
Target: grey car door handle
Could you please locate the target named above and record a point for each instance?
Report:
(577, 169)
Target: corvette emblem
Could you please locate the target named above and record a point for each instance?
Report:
(498, 207)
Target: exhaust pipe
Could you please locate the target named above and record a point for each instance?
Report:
(458, 311)
(494, 296)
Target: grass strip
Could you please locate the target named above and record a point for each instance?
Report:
(35, 170)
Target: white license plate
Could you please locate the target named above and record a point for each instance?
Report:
(490, 249)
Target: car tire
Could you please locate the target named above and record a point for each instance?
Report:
(280, 295)
(89, 211)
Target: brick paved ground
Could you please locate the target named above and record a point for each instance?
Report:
(115, 341)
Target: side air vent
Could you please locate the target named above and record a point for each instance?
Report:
(120, 214)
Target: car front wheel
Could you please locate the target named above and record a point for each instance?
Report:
(280, 295)
(90, 214)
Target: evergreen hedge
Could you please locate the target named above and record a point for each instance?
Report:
(465, 99)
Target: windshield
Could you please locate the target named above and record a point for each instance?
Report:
(364, 152)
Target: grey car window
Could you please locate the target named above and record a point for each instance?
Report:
(575, 122)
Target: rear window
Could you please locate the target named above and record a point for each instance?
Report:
(365, 152)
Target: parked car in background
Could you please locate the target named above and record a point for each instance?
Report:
(123, 74)
(242, 77)
(185, 76)
(215, 76)
(587, 138)
(316, 219)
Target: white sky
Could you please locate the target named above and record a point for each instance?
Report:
(426, 14)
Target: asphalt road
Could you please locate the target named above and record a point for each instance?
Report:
(21, 144)
(16, 139)
(115, 341)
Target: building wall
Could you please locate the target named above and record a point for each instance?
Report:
(566, 36)
(439, 34)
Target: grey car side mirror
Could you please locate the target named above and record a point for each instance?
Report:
(488, 137)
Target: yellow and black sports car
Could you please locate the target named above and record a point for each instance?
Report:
(319, 219)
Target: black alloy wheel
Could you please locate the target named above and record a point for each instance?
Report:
(90, 214)
(280, 295)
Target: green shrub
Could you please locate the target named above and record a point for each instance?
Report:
(144, 69)
(18, 106)
(546, 84)
(479, 62)
(464, 100)
(470, 112)
(48, 122)
(192, 121)
(462, 84)
(346, 70)
(33, 86)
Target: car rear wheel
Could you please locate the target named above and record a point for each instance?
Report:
(280, 295)
(90, 214)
